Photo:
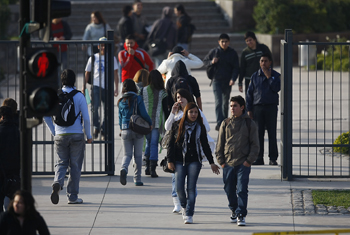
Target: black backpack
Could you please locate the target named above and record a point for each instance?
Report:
(183, 83)
(65, 115)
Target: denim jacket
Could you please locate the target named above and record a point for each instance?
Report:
(125, 111)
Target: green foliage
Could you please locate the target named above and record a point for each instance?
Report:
(5, 14)
(342, 139)
(331, 197)
(312, 16)
(335, 58)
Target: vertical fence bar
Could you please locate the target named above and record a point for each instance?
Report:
(286, 109)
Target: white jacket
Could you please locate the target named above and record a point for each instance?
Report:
(191, 62)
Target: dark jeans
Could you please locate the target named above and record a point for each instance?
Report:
(98, 95)
(222, 91)
(266, 116)
(236, 181)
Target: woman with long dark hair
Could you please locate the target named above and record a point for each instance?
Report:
(95, 30)
(22, 217)
(132, 142)
(187, 144)
(156, 103)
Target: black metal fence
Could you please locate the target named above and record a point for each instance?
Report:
(315, 109)
(99, 156)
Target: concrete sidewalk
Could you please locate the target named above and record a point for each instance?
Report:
(110, 208)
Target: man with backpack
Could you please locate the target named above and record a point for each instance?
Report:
(181, 79)
(71, 117)
(225, 64)
(239, 134)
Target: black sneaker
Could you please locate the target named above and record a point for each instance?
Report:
(123, 177)
(273, 163)
(56, 188)
(233, 217)
(259, 162)
(241, 220)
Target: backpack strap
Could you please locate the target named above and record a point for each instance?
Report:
(70, 95)
(248, 122)
(137, 60)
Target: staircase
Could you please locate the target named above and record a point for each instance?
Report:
(206, 16)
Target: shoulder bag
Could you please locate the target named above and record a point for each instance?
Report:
(137, 123)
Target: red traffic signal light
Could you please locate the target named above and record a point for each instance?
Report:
(41, 82)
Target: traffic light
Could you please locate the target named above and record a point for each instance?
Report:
(41, 82)
(43, 11)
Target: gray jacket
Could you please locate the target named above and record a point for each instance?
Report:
(235, 143)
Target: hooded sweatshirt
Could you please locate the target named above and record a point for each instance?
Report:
(128, 63)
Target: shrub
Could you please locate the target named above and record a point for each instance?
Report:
(312, 16)
(5, 14)
(342, 139)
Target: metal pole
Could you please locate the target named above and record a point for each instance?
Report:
(26, 133)
(110, 104)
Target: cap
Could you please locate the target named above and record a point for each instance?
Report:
(103, 39)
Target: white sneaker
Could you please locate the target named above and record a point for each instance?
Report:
(183, 212)
(177, 205)
(240, 220)
(78, 201)
(189, 220)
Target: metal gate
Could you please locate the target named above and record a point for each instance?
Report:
(315, 110)
(99, 156)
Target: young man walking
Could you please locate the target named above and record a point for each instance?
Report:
(239, 134)
(70, 143)
(99, 90)
(225, 60)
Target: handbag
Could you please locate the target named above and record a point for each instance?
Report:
(137, 123)
(158, 46)
(165, 140)
(164, 164)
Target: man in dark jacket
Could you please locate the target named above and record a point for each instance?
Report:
(9, 149)
(125, 26)
(262, 101)
(225, 59)
(163, 28)
(250, 59)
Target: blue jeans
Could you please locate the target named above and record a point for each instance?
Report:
(132, 143)
(97, 93)
(173, 186)
(152, 140)
(191, 170)
(70, 154)
(236, 181)
(222, 92)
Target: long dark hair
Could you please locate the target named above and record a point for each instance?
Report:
(128, 85)
(180, 7)
(29, 203)
(185, 94)
(184, 118)
(155, 80)
(99, 17)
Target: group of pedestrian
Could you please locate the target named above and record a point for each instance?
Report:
(168, 98)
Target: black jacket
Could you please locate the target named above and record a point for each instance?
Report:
(183, 29)
(227, 65)
(9, 147)
(174, 153)
(125, 27)
(180, 70)
(9, 225)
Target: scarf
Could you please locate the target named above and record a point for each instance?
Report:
(189, 128)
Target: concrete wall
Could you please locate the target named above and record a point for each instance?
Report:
(239, 13)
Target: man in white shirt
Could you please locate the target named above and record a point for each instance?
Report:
(98, 86)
